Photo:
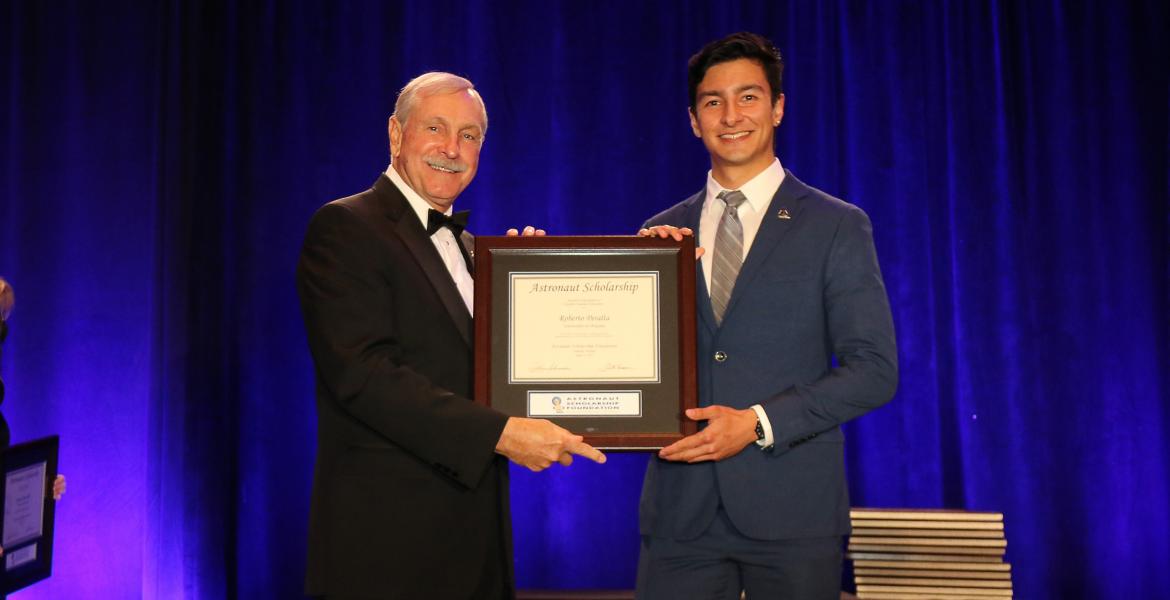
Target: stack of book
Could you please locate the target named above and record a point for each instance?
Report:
(918, 554)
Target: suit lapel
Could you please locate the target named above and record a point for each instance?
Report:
(782, 214)
(692, 217)
(414, 237)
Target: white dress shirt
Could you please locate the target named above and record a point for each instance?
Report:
(759, 192)
(443, 239)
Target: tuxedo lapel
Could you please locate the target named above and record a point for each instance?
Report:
(414, 237)
(467, 241)
(782, 214)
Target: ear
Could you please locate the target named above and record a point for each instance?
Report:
(778, 111)
(394, 128)
(694, 123)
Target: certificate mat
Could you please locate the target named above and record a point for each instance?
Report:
(26, 531)
(583, 326)
(595, 333)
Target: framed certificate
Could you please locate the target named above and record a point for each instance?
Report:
(26, 532)
(595, 333)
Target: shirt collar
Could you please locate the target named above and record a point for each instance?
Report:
(759, 190)
(417, 203)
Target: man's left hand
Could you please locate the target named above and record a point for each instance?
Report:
(58, 487)
(728, 431)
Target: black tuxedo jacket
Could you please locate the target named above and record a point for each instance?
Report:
(409, 496)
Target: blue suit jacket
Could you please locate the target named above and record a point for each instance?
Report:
(810, 290)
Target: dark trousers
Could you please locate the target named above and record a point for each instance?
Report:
(722, 562)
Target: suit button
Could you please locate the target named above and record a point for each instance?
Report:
(720, 356)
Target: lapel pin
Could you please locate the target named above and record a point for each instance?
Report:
(783, 214)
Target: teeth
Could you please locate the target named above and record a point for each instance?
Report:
(438, 168)
(734, 136)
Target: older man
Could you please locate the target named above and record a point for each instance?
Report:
(410, 489)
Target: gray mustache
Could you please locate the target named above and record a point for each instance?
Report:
(443, 163)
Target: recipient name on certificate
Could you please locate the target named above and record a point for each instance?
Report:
(581, 326)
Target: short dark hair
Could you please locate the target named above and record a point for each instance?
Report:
(744, 44)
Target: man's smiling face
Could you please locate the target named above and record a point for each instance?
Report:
(437, 150)
(735, 117)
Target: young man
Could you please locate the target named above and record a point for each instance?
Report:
(757, 500)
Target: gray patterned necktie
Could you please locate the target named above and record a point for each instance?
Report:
(728, 255)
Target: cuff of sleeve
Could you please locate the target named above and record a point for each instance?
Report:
(763, 416)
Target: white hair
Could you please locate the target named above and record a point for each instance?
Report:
(429, 84)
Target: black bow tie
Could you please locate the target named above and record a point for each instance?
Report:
(456, 222)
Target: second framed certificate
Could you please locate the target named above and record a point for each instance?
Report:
(594, 333)
(26, 532)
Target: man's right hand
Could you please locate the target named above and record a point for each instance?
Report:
(537, 444)
(526, 232)
(678, 233)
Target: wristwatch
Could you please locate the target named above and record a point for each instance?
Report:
(759, 430)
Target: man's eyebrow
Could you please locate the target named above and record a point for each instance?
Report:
(738, 90)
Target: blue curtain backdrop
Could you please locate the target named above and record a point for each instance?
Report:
(160, 161)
